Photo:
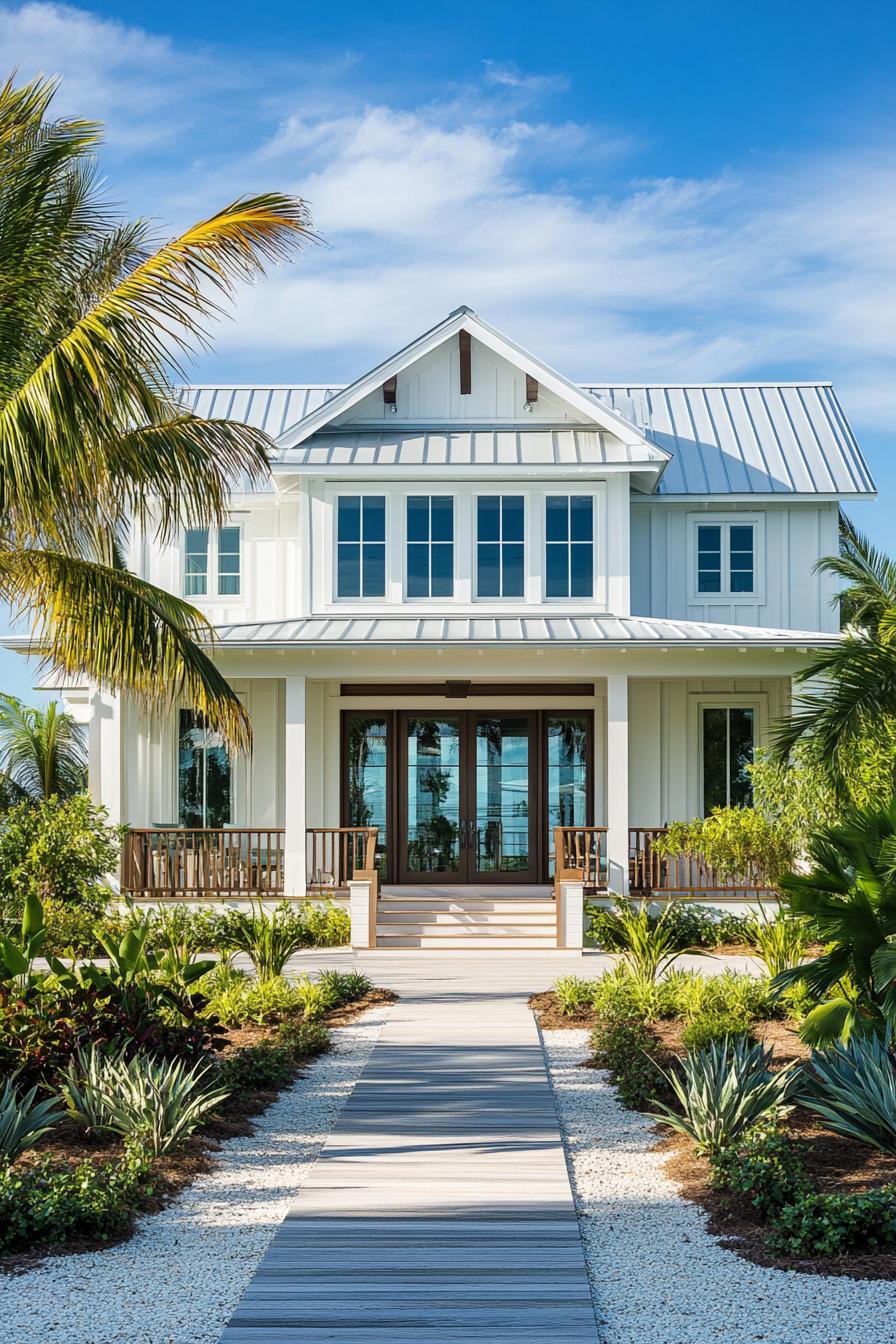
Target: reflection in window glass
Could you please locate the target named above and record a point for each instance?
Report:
(501, 823)
(499, 546)
(433, 795)
(709, 558)
(196, 562)
(569, 546)
(728, 749)
(228, 561)
(741, 558)
(368, 774)
(204, 774)
(567, 774)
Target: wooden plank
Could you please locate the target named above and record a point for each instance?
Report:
(465, 350)
(439, 1209)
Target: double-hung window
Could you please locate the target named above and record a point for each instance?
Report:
(726, 559)
(569, 546)
(430, 546)
(212, 562)
(361, 546)
(500, 546)
(728, 740)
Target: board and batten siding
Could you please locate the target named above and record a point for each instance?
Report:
(792, 538)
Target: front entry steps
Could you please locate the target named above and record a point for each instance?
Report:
(448, 918)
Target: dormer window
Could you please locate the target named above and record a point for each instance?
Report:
(212, 561)
(726, 559)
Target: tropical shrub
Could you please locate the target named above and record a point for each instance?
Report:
(42, 753)
(345, 986)
(62, 848)
(240, 1000)
(724, 1091)
(264, 1067)
(325, 924)
(852, 1087)
(764, 1168)
(626, 1047)
(850, 895)
(573, 994)
(647, 944)
(690, 995)
(74, 928)
(689, 925)
(780, 943)
(24, 1119)
(157, 1102)
(315, 997)
(715, 1026)
(268, 939)
(816, 1224)
(48, 1203)
(304, 1039)
(738, 843)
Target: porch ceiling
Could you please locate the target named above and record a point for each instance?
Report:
(601, 631)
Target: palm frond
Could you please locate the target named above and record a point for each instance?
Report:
(870, 576)
(122, 632)
(42, 751)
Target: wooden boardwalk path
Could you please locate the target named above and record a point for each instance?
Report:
(439, 1209)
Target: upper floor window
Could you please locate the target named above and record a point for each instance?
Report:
(569, 546)
(726, 558)
(499, 546)
(212, 562)
(430, 544)
(728, 739)
(361, 546)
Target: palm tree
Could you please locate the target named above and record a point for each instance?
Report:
(94, 317)
(857, 675)
(42, 752)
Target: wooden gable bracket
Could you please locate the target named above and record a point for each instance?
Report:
(390, 391)
(531, 389)
(465, 350)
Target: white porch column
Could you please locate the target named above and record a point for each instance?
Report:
(295, 876)
(617, 782)
(105, 773)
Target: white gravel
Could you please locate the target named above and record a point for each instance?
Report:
(657, 1276)
(179, 1277)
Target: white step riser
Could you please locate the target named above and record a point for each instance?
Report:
(449, 944)
(482, 921)
(462, 908)
(441, 931)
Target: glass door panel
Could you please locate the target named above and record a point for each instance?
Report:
(368, 779)
(567, 775)
(500, 827)
(433, 788)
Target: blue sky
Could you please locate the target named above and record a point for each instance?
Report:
(634, 191)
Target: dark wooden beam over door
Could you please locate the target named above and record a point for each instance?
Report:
(461, 690)
(390, 391)
(465, 348)
(531, 388)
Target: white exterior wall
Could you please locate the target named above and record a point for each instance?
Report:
(791, 539)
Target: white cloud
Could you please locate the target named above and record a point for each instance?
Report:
(479, 196)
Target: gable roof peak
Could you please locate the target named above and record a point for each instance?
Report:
(463, 311)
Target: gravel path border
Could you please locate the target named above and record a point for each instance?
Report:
(657, 1276)
(177, 1280)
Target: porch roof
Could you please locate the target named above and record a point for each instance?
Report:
(604, 631)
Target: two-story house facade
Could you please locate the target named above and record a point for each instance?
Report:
(476, 602)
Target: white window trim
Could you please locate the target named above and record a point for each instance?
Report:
(359, 492)
(500, 493)
(758, 703)
(726, 521)
(598, 528)
(212, 595)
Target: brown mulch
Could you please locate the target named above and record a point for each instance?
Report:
(68, 1144)
(550, 1018)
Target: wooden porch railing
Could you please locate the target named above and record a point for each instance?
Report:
(580, 855)
(682, 874)
(180, 862)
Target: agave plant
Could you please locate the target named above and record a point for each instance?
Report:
(852, 1087)
(269, 940)
(723, 1091)
(24, 1119)
(158, 1102)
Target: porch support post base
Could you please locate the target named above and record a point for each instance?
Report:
(362, 913)
(295, 876)
(572, 914)
(617, 783)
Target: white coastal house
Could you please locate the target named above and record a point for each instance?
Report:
(479, 612)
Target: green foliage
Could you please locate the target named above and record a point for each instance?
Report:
(573, 994)
(24, 1119)
(345, 986)
(780, 942)
(690, 925)
(74, 928)
(157, 1102)
(852, 1087)
(42, 752)
(48, 1203)
(268, 939)
(325, 924)
(764, 1168)
(264, 1067)
(724, 1091)
(685, 994)
(816, 1224)
(315, 997)
(626, 1047)
(304, 1039)
(647, 944)
(59, 848)
(17, 955)
(850, 895)
(237, 999)
(715, 1027)
(739, 843)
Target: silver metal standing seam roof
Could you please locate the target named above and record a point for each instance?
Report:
(473, 447)
(578, 629)
(723, 439)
